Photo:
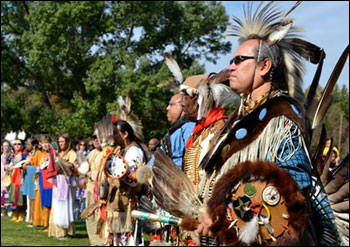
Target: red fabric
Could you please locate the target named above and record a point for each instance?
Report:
(95, 194)
(103, 212)
(16, 176)
(51, 171)
(214, 115)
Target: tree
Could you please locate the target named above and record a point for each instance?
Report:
(67, 62)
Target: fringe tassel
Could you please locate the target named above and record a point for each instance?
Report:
(266, 146)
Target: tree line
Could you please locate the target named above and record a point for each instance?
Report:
(63, 64)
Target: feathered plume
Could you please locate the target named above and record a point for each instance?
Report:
(327, 98)
(104, 131)
(171, 84)
(22, 135)
(11, 137)
(262, 23)
(144, 175)
(173, 67)
(124, 112)
(172, 189)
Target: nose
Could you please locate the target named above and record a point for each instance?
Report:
(232, 67)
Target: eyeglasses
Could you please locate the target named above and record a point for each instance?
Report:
(17, 144)
(238, 59)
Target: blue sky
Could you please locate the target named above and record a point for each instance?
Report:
(325, 24)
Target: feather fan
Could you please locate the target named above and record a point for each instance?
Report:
(331, 201)
(172, 189)
(104, 131)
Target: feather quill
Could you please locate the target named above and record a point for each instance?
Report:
(173, 67)
(326, 97)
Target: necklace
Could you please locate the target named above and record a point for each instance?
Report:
(250, 105)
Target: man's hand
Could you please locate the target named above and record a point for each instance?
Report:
(205, 224)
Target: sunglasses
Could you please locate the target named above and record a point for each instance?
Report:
(238, 59)
(17, 144)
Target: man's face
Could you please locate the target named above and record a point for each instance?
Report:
(243, 68)
(152, 143)
(174, 109)
(190, 106)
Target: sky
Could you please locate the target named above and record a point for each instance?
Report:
(325, 24)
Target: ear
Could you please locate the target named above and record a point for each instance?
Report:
(125, 135)
(265, 67)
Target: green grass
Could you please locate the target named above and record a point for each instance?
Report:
(17, 234)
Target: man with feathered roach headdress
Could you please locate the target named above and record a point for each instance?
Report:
(260, 166)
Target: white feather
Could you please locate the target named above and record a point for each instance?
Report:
(173, 67)
(144, 175)
(249, 232)
(10, 137)
(206, 145)
(22, 135)
(121, 101)
(83, 168)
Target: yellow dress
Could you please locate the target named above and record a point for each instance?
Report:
(41, 214)
(55, 231)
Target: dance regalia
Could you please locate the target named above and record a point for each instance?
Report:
(17, 200)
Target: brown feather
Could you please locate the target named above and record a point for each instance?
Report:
(339, 177)
(341, 194)
(318, 157)
(221, 77)
(173, 191)
(312, 98)
(104, 131)
(326, 97)
(341, 207)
